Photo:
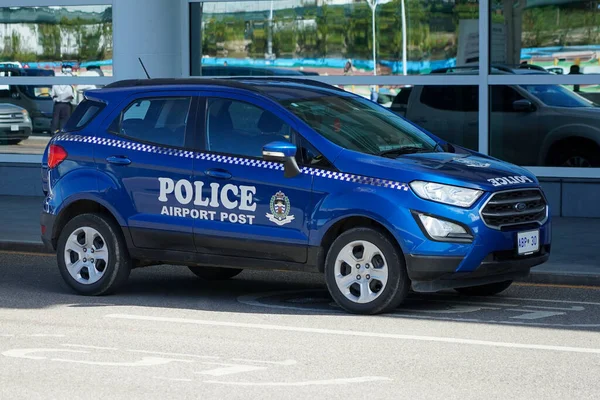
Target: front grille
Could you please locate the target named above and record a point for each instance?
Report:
(11, 117)
(515, 207)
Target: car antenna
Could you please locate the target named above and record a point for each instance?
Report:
(146, 71)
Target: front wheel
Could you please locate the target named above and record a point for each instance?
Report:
(92, 255)
(365, 272)
(485, 290)
(215, 274)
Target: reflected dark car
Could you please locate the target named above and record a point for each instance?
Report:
(535, 125)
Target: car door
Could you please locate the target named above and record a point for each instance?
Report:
(145, 148)
(247, 207)
(449, 112)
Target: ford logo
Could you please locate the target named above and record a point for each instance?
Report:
(520, 207)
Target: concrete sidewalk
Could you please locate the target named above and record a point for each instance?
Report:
(575, 258)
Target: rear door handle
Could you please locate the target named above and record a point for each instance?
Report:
(218, 173)
(118, 160)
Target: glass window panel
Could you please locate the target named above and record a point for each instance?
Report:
(56, 40)
(556, 37)
(331, 37)
(545, 125)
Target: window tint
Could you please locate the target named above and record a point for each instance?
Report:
(310, 156)
(451, 98)
(83, 114)
(160, 120)
(239, 128)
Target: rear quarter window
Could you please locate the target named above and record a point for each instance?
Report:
(85, 112)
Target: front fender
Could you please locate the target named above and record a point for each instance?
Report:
(564, 132)
(361, 202)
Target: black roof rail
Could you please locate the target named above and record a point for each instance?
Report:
(303, 81)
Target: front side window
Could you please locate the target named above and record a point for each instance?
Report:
(360, 125)
(557, 96)
(240, 128)
(451, 98)
(160, 120)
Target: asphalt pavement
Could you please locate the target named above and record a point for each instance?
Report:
(277, 335)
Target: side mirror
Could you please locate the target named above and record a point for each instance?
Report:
(284, 152)
(523, 105)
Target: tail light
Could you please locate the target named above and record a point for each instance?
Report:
(56, 155)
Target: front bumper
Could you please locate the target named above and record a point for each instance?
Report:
(434, 273)
(7, 133)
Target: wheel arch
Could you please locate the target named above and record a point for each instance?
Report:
(576, 140)
(346, 223)
(84, 205)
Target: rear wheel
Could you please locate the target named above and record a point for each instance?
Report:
(92, 255)
(215, 274)
(365, 272)
(576, 155)
(485, 290)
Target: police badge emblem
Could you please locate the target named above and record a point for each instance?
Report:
(280, 209)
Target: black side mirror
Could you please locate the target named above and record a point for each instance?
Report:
(523, 105)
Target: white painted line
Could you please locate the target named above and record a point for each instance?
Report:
(6, 335)
(533, 314)
(144, 362)
(252, 300)
(172, 379)
(356, 333)
(84, 346)
(572, 308)
(229, 369)
(342, 381)
(286, 362)
(161, 353)
(25, 353)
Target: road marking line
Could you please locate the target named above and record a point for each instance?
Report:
(574, 308)
(229, 369)
(160, 353)
(533, 314)
(172, 379)
(144, 362)
(45, 335)
(342, 381)
(83, 346)
(356, 333)
(453, 298)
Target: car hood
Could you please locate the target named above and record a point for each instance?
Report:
(7, 108)
(582, 112)
(467, 170)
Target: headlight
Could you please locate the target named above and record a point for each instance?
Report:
(443, 230)
(447, 194)
(25, 114)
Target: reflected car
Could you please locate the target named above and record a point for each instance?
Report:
(15, 124)
(560, 125)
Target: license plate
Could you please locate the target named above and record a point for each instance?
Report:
(14, 128)
(528, 242)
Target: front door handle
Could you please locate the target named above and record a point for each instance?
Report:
(118, 160)
(218, 173)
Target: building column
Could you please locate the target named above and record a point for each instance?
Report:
(150, 30)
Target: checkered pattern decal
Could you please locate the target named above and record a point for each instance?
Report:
(339, 176)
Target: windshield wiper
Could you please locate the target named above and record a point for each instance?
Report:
(403, 150)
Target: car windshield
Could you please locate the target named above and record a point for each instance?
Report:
(557, 96)
(360, 125)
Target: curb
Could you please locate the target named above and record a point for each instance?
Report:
(24, 247)
(570, 278)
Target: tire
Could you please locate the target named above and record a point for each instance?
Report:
(12, 142)
(384, 294)
(214, 273)
(111, 265)
(485, 290)
(576, 155)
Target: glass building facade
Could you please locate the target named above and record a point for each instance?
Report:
(516, 79)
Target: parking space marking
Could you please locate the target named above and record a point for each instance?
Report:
(85, 346)
(229, 369)
(289, 328)
(341, 381)
(529, 315)
(286, 362)
(161, 353)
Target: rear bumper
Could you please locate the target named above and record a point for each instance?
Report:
(47, 222)
(433, 273)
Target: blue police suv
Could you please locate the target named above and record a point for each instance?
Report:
(278, 173)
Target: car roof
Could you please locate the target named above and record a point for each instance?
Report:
(277, 88)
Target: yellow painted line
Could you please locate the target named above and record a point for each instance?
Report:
(553, 285)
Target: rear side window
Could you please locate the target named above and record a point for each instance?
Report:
(161, 120)
(451, 98)
(83, 114)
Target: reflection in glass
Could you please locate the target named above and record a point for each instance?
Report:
(544, 125)
(330, 37)
(559, 36)
(74, 40)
